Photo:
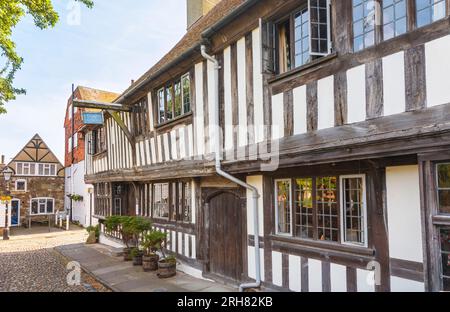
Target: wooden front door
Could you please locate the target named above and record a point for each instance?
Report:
(225, 236)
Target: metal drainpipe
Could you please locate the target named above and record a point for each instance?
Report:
(229, 177)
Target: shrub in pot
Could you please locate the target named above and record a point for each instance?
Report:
(127, 232)
(94, 234)
(167, 267)
(151, 243)
(136, 255)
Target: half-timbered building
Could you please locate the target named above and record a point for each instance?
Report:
(37, 183)
(334, 116)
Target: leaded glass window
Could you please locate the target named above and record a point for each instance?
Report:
(428, 11)
(394, 18)
(363, 24)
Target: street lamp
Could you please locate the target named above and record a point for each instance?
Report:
(7, 175)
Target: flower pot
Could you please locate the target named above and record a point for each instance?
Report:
(166, 268)
(127, 254)
(137, 259)
(150, 263)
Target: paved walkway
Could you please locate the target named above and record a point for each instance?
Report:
(122, 276)
(28, 262)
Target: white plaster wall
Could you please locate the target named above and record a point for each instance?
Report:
(315, 275)
(403, 285)
(394, 84)
(228, 110)
(199, 121)
(295, 278)
(338, 276)
(300, 111)
(180, 243)
(166, 146)
(277, 268)
(251, 262)
(256, 181)
(325, 98)
(258, 86)
(356, 94)
(403, 207)
(437, 64)
(278, 116)
(242, 92)
(211, 102)
(365, 281)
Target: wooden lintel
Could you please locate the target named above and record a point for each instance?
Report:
(101, 105)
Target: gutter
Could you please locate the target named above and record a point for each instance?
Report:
(227, 19)
(218, 166)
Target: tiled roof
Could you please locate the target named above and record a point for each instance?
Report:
(193, 37)
(96, 95)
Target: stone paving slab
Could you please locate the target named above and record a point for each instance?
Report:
(122, 276)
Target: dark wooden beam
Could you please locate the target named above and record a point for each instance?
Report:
(101, 105)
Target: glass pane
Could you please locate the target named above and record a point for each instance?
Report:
(353, 203)
(169, 111)
(444, 201)
(161, 106)
(443, 175)
(178, 99)
(364, 22)
(327, 214)
(186, 94)
(304, 217)
(34, 207)
(50, 206)
(443, 186)
(19, 168)
(445, 252)
(283, 206)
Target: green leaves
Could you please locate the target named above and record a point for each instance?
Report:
(11, 12)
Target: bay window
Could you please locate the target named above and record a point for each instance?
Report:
(174, 100)
(326, 208)
(42, 206)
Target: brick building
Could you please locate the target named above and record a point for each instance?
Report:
(75, 155)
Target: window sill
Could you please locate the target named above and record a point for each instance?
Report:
(174, 122)
(301, 69)
(319, 246)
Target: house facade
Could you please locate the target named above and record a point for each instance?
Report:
(82, 208)
(37, 183)
(333, 112)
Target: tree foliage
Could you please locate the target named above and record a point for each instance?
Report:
(11, 12)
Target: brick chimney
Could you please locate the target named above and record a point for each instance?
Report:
(197, 8)
(3, 160)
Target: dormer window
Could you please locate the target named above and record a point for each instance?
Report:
(174, 100)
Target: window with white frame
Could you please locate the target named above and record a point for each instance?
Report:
(69, 145)
(283, 207)
(21, 185)
(325, 208)
(35, 169)
(353, 209)
(42, 206)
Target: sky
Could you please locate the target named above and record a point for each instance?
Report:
(104, 48)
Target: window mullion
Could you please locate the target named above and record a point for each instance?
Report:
(314, 196)
(292, 39)
(379, 21)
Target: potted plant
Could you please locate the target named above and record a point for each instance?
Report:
(94, 234)
(127, 233)
(151, 243)
(167, 267)
(136, 255)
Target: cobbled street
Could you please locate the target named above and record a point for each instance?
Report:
(28, 263)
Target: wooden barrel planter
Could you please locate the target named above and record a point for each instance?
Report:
(167, 268)
(150, 263)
